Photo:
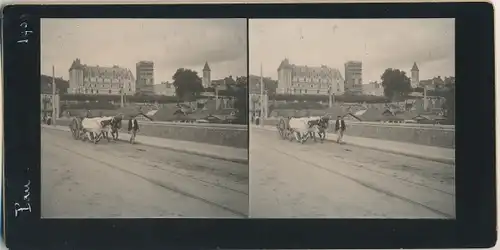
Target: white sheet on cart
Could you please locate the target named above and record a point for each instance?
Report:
(301, 124)
(94, 124)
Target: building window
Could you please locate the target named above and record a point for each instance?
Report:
(97, 91)
(305, 91)
(318, 91)
(109, 91)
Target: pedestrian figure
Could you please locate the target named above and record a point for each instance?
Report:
(133, 127)
(340, 128)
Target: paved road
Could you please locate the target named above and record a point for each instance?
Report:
(116, 179)
(317, 180)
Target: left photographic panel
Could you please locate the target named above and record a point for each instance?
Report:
(144, 118)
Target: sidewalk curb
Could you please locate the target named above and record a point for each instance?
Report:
(172, 148)
(424, 157)
(419, 156)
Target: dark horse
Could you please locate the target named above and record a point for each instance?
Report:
(322, 125)
(115, 123)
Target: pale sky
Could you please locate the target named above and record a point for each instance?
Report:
(169, 43)
(378, 43)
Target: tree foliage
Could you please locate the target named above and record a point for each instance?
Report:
(229, 81)
(396, 84)
(242, 81)
(187, 83)
(240, 92)
(449, 105)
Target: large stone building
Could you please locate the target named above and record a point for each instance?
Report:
(353, 75)
(85, 79)
(145, 77)
(304, 80)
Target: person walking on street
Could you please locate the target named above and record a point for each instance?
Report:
(133, 127)
(340, 128)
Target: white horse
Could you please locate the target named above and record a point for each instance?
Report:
(96, 128)
(302, 127)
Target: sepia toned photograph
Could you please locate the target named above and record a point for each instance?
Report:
(144, 118)
(352, 118)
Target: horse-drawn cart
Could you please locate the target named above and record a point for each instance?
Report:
(301, 129)
(95, 129)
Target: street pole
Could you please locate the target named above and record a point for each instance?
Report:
(330, 101)
(261, 122)
(53, 95)
(216, 97)
(121, 97)
(425, 97)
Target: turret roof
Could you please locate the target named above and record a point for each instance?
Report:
(414, 68)
(206, 67)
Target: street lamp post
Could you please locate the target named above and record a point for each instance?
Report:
(261, 122)
(53, 96)
(121, 96)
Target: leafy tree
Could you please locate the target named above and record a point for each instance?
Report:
(187, 83)
(229, 81)
(239, 91)
(242, 81)
(396, 84)
(449, 105)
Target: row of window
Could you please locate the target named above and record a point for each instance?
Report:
(96, 91)
(305, 79)
(310, 92)
(95, 85)
(104, 80)
(106, 73)
(311, 86)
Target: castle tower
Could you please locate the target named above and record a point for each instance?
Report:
(75, 77)
(414, 76)
(284, 77)
(206, 82)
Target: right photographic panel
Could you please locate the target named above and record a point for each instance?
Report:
(352, 118)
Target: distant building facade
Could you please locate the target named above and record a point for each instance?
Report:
(145, 77)
(85, 79)
(46, 94)
(304, 80)
(433, 84)
(165, 88)
(415, 76)
(254, 84)
(353, 75)
(373, 88)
